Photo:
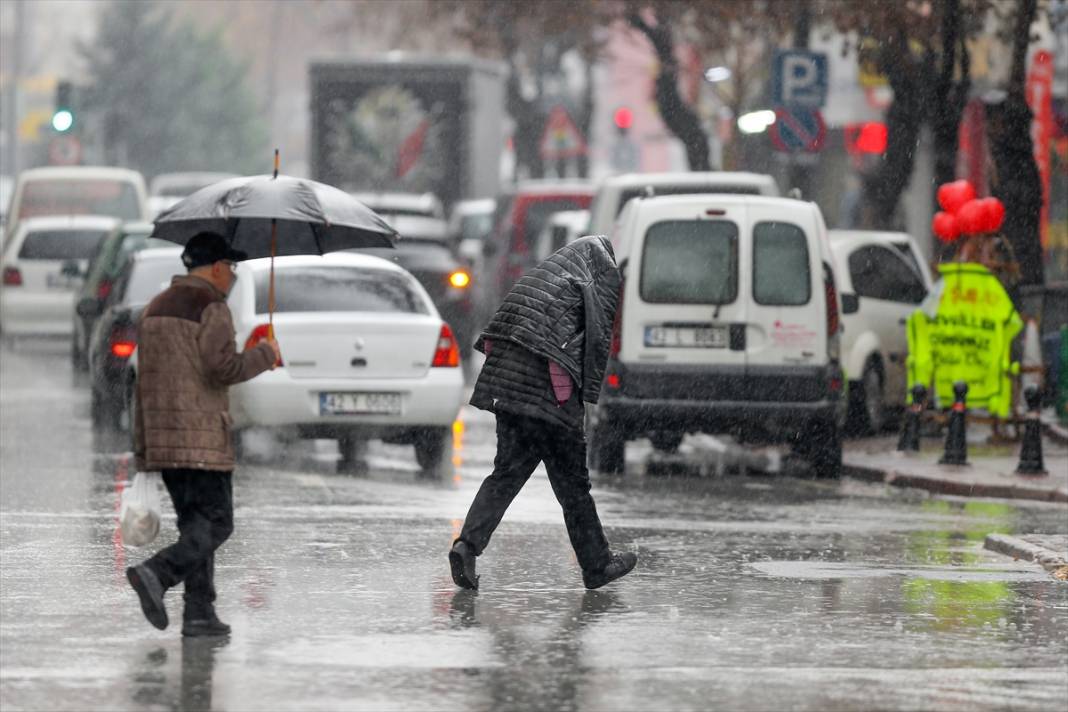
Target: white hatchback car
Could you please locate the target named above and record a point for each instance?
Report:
(365, 356)
(44, 263)
(883, 278)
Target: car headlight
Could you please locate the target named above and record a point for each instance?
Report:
(459, 279)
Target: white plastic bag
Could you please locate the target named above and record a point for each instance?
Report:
(139, 516)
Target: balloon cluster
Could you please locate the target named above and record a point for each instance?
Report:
(964, 214)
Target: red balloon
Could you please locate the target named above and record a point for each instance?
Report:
(945, 226)
(971, 217)
(995, 214)
(953, 196)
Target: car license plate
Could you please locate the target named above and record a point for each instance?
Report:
(697, 336)
(359, 403)
(60, 281)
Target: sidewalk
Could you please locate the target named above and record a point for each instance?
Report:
(991, 472)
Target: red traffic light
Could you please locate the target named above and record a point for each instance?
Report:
(623, 117)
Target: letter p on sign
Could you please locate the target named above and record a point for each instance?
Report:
(800, 78)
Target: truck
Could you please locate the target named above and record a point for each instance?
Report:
(408, 124)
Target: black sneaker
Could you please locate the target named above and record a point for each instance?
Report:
(150, 591)
(462, 563)
(619, 566)
(204, 627)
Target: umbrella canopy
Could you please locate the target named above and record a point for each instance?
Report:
(311, 218)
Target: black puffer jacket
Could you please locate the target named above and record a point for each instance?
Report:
(563, 309)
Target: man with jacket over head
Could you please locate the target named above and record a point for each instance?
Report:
(187, 359)
(546, 349)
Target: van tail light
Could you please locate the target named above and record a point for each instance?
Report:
(447, 352)
(617, 325)
(123, 341)
(103, 289)
(12, 277)
(831, 296)
(260, 333)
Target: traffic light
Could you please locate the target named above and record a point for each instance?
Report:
(623, 119)
(63, 115)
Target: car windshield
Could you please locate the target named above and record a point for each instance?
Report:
(110, 197)
(476, 227)
(332, 288)
(690, 262)
(61, 244)
(150, 277)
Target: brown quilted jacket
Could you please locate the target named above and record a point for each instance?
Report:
(186, 361)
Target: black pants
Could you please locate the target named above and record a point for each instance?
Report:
(523, 442)
(204, 503)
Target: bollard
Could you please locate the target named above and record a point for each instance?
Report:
(956, 433)
(1031, 450)
(909, 441)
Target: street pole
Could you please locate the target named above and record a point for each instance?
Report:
(800, 175)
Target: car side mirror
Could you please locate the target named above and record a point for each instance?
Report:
(71, 270)
(850, 303)
(89, 307)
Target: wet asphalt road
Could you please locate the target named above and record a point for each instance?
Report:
(751, 593)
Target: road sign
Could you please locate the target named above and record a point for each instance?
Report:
(797, 129)
(65, 150)
(561, 138)
(800, 78)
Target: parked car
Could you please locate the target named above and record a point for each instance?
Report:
(562, 228)
(470, 225)
(520, 216)
(614, 192)
(729, 324)
(7, 187)
(105, 267)
(365, 356)
(44, 263)
(166, 189)
(424, 251)
(114, 337)
(77, 190)
(403, 204)
(883, 278)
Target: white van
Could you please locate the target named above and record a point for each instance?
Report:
(613, 193)
(729, 323)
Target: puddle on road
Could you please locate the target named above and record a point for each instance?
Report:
(823, 570)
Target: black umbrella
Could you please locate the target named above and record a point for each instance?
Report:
(271, 215)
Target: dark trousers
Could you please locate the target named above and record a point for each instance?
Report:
(204, 503)
(523, 442)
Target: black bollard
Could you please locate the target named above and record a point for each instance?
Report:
(909, 441)
(956, 433)
(1031, 450)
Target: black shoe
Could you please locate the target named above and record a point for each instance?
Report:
(204, 627)
(150, 591)
(619, 566)
(462, 563)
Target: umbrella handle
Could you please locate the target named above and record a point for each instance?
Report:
(276, 162)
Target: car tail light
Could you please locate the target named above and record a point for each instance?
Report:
(447, 352)
(459, 279)
(123, 341)
(12, 277)
(831, 295)
(617, 325)
(613, 380)
(260, 333)
(103, 289)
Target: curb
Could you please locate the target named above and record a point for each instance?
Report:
(1020, 549)
(1055, 432)
(943, 486)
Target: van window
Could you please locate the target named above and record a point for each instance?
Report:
(61, 244)
(106, 196)
(781, 273)
(330, 288)
(690, 262)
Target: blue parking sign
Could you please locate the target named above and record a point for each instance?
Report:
(800, 78)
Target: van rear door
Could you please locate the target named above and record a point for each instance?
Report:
(787, 317)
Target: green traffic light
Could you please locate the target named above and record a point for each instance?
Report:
(62, 120)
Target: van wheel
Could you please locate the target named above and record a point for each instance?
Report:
(104, 411)
(607, 449)
(433, 452)
(867, 407)
(820, 443)
(666, 441)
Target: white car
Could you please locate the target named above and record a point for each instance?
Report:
(44, 264)
(365, 356)
(883, 278)
(561, 229)
(470, 224)
(167, 189)
(614, 192)
(412, 204)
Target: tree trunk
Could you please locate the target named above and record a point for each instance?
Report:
(585, 116)
(678, 116)
(1018, 183)
(529, 123)
(948, 106)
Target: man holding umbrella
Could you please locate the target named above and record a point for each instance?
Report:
(187, 359)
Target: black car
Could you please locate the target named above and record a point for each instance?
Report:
(104, 269)
(114, 337)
